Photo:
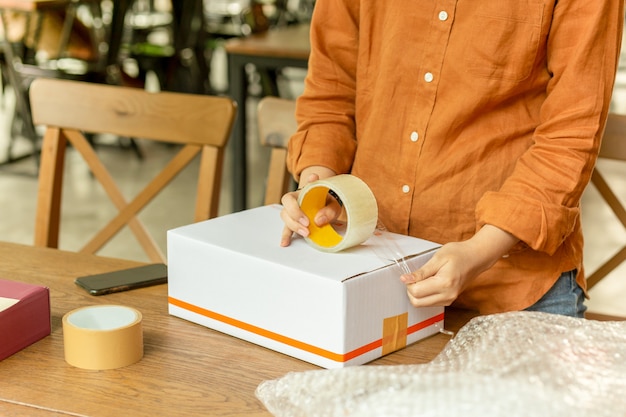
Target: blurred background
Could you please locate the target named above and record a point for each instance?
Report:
(179, 46)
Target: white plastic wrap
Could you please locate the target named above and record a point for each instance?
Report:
(512, 364)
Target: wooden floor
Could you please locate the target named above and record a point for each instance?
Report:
(88, 204)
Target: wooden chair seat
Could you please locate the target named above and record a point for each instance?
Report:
(276, 123)
(70, 109)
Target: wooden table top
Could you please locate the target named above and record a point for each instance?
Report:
(187, 369)
(284, 42)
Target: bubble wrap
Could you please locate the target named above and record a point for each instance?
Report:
(511, 364)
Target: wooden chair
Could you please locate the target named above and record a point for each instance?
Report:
(68, 108)
(613, 147)
(276, 123)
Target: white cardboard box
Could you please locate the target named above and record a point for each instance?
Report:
(329, 309)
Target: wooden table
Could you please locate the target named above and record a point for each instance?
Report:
(187, 369)
(275, 49)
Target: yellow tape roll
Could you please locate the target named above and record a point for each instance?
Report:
(102, 337)
(359, 204)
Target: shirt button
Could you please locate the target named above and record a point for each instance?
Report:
(405, 189)
(414, 136)
(443, 15)
(428, 77)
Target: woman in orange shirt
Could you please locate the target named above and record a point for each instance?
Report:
(476, 125)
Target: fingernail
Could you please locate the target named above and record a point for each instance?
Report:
(304, 221)
(303, 232)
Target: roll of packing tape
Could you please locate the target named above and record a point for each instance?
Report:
(359, 204)
(103, 337)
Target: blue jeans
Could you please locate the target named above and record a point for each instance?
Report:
(565, 298)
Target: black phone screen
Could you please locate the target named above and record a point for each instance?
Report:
(123, 280)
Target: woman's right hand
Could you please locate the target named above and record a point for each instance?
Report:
(294, 218)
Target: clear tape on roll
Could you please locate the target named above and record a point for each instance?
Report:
(103, 337)
(358, 202)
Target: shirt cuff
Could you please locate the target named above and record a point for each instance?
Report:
(315, 147)
(539, 225)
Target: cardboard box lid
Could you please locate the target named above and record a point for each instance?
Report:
(262, 228)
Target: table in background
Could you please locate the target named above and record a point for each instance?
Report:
(186, 370)
(277, 48)
(21, 68)
(34, 5)
(27, 8)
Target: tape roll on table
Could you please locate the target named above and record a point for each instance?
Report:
(103, 337)
(359, 204)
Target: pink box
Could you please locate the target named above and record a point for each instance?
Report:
(24, 316)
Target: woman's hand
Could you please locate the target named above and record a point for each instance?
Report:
(440, 281)
(294, 218)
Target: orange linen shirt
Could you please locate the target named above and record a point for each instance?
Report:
(461, 113)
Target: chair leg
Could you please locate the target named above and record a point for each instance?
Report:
(23, 128)
(50, 186)
(132, 144)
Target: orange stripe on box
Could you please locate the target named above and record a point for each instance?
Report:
(424, 324)
(258, 330)
(337, 357)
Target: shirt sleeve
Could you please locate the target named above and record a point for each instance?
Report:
(539, 202)
(325, 111)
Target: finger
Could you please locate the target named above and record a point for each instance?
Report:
(429, 269)
(430, 301)
(328, 213)
(434, 290)
(423, 289)
(291, 209)
(293, 217)
(290, 201)
(312, 178)
(298, 223)
(285, 239)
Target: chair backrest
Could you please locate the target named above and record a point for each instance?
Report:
(614, 138)
(613, 147)
(276, 123)
(201, 124)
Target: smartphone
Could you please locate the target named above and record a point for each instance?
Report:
(123, 280)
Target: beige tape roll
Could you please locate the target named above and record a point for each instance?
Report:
(359, 204)
(103, 337)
